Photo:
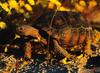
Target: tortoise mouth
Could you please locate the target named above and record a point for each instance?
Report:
(27, 37)
(19, 32)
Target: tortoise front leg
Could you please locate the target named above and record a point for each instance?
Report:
(61, 50)
(28, 50)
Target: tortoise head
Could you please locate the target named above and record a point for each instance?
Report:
(26, 30)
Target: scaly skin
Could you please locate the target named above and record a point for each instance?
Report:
(69, 38)
(27, 30)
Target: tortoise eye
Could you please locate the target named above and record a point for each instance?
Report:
(20, 28)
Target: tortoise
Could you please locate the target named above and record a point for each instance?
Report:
(70, 38)
(66, 39)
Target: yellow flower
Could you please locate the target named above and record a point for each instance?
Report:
(28, 7)
(21, 3)
(5, 6)
(92, 4)
(21, 10)
(79, 8)
(64, 9)
(2, 25)
(13, 4)
(82, 3)
(51, 5)
(31, 2)
(56, 2)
